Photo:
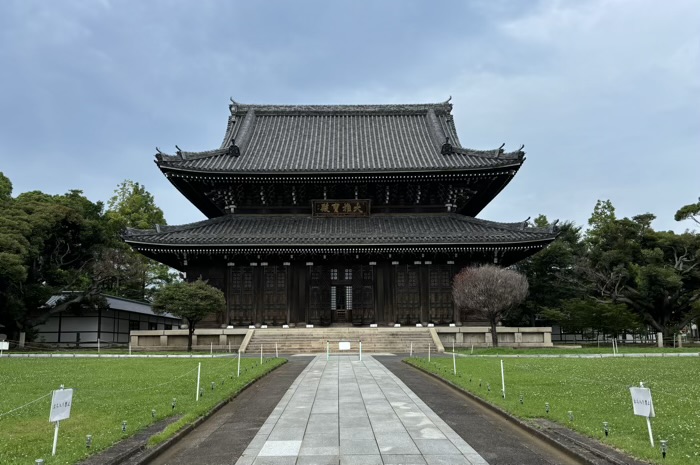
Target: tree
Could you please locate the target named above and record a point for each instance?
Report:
(489, 292)
(689, 212)
(655, 273)
(191, 301)
(48, 243)
(127, 273)
(591, 318)
(134, 207)
(5, 187)
(550, 273)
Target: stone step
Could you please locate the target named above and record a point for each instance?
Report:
(315, 340)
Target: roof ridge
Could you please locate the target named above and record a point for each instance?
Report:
(175, 227)
(236, 108)
(492, 153)
(517, 226)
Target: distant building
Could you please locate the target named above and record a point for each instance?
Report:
(339, 214)
(72, 325)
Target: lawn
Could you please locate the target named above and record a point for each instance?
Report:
(107, 392)
(596, 391)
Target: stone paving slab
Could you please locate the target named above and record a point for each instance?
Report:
(345, 411)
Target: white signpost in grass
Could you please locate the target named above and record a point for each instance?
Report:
(643, 406)
(61, 402)
(4, 345)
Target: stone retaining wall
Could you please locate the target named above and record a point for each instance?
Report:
(220, 339)
(176, 339)
(480, 336)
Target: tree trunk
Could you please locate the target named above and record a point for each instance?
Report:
(190, 332)
(494, 334)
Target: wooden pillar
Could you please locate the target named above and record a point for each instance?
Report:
(389, 273)
(227, 293)
(424, 286)
(457, 317)
(379, 291)
(258, 291)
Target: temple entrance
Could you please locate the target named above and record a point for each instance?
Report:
(341, 295)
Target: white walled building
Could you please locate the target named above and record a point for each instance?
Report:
(84, 327)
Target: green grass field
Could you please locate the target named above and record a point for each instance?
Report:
(107, 392)
(595, 390)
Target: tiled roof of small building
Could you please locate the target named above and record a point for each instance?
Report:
(304, 230)
(339, 138)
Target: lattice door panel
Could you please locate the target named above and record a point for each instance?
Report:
(407, 294)
(241, 298)
(440, 292)
(319, 295)
(274, 294)
(363, 294)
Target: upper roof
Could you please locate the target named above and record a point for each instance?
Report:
(304, 230)
(339, 138)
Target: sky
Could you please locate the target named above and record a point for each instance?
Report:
(605, 94)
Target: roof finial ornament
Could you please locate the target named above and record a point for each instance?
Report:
(179, 150)
(158, 150)
(233, 106)
(500, 149)
(448, 99)
(233, 149)
(553, 227)
(446, 147)
(522, 146)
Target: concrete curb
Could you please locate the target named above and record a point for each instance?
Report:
(544, 435)
(636, 355)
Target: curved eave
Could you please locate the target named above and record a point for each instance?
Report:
(510, 164)
(174, 255)
(495, 188)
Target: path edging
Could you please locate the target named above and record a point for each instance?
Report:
(529, 428)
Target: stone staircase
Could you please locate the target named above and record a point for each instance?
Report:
(313, 340)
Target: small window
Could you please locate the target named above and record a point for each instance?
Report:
(168, 327)
(152, 326)
(134, 325)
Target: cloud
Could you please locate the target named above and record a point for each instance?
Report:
(604, 94)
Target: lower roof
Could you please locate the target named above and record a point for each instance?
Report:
(379, 230)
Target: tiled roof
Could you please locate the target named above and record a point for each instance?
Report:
(303, 230)
(333, 138)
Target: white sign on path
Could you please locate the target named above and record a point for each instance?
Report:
(643, 406)
(61, 402)
(641, 402)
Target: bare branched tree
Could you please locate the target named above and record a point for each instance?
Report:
(489, 292)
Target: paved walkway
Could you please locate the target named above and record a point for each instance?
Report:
(345, 411)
